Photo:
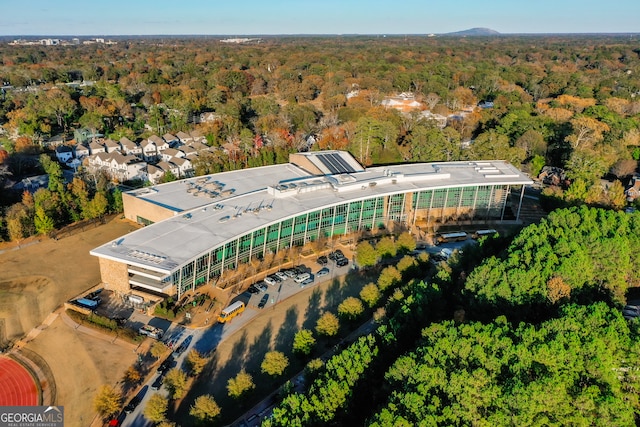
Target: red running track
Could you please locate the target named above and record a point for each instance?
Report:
(17, 387)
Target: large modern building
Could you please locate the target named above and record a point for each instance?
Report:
(198, 228)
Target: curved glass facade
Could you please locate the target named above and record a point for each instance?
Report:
(421, 208)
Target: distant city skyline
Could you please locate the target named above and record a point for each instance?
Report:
(252, 17)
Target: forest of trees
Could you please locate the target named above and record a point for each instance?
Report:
(564, 101)
(522, 353)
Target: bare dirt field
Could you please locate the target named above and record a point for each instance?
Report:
(36, 279)
(80, 363)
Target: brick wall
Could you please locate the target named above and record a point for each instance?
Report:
(114, 275)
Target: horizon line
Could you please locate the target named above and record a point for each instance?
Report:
(493, 34)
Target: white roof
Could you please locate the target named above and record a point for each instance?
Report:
(214, 209)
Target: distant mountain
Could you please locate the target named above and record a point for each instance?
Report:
(474, 32)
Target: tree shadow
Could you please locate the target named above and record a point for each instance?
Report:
(332, 295)
(209, 340)
(312, 313)
(260, 346)
(284, 337)
(215, 376)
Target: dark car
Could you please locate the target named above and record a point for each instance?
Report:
(341, 262)
(132, 404)
(165, 365)
(322, 272)
(322, 260)
(157, 383)
(184, 345)
(263, 301)
(253, 289)
(336, 254)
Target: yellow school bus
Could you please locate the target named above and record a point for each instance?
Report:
(230, 312)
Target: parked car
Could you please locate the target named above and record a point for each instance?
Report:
(322, 260)
(157, 383)
(291, 272)
(253, 289)
(263, 301)
(341, 262)
(336, 254)
(269, 280)
(307, 282)
(280, 275)
(261, 286)
(133, 404)
(302, 277)
(322, 272)
(164, 366)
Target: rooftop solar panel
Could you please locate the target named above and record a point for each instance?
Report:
(346, 168)
(333, 168)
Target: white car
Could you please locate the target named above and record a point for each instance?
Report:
(268, 280)
(302, 277)
(281, 275)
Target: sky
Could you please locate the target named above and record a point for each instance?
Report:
(262, 17)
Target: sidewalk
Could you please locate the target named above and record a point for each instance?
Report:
(93, 332)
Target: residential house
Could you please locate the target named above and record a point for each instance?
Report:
(633, 192)
(81, 151)
(154, 174)
(55, 141)
(149, 150)
(405, 102)
(187, 150)
(198, 136)
(110, 145)
(440, 120)
(120, 167)
(170, 139)
(208, 116)
(185, 168)
(130, 147)
(64, 153)
(170, 153)
(184, 138)
(198, 146)
(161, 144)
(169, 167)
(96, 147)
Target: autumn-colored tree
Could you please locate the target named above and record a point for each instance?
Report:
(389, 277)
(303, 342)
(274, 363)
(205, 409)
(587, 131)
(370, 294)
(328, 324)
(366, 255)
(558, 289)
(240, 385)
(108, 400)
(158, 349)
(406, 242)
(176, 382)
(196, 362)
(350, 308)
(156, 409)
(132, 375)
